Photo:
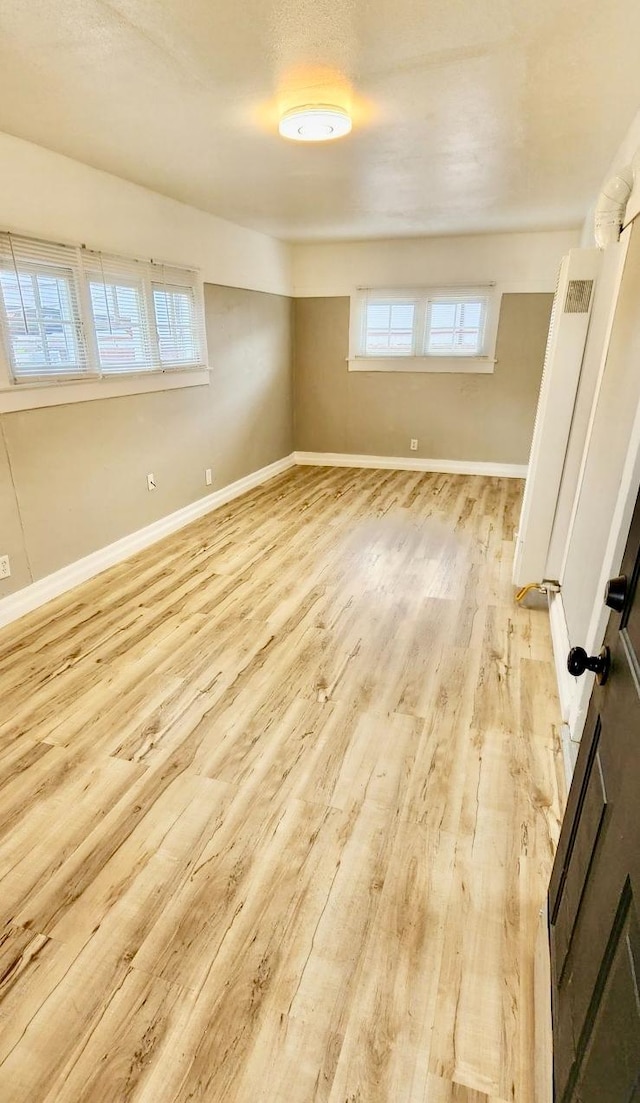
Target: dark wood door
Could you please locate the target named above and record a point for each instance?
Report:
(594, 894)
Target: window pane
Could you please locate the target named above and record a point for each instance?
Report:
(443, 315)
(471, 314)
(39, 318)
(455, 328)
(176, 325)
(118, 313)
(389, 329)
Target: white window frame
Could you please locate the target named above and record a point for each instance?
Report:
(137, 284)
(388, 299)
(95, 381)
(172, 287)
(421, 360)
(69, 277)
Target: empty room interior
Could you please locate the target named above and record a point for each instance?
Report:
(319, 551)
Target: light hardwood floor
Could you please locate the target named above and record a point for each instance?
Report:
(278, 805)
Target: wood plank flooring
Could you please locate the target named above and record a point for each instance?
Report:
(279, 799)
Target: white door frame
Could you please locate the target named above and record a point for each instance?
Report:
(575, 693)
(625, 504)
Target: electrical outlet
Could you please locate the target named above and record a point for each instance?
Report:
(5, 566)
(207, 476)
(151, 481)
(413, 444)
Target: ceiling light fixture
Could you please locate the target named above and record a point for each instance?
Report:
(315, 123)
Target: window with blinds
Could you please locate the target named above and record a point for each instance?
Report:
(428, 322)
(389, 328)
(175, 314)
(72, 313)
(455, 325)
(40, 296)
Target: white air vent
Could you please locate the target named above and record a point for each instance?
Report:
(578, 297)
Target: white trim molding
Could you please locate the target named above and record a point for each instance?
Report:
(454, 365)
(618, 535)
(53, 585)
(409, 463)
(26, 396)
(569, 688)
(561, 645)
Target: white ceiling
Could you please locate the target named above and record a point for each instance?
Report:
(470, 115)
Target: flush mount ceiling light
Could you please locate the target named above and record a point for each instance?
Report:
(315, 123)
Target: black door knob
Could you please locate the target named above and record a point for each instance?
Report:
(615, 593)
(578, 661)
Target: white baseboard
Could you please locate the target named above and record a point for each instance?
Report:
(38, 593)
(407, 463)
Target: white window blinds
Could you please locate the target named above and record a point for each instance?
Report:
(456, 324)
(176, 317)
(422, 322)
(389, 328)
(40, 309)
(68, 312)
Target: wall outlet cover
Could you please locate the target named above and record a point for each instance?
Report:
(151, 481)
(5, 566)
(413, 444)
(207, 476)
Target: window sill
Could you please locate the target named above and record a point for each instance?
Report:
(31, 396)
(458, 365)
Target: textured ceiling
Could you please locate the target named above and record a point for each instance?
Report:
(470, 115)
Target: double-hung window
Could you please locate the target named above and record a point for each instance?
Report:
(389, 327)
(423, 329)
(40, 311)
(69, 313)
(455, 325)
(175, 311)
(120, 324)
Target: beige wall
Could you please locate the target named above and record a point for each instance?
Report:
(80, 470)
(11, 539)
(459, 417)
